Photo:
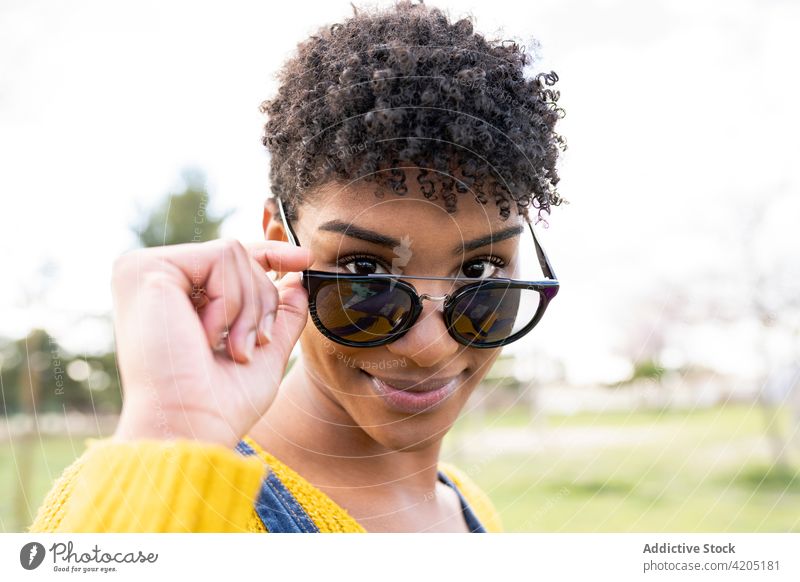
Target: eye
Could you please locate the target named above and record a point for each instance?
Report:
(484, 268)
(362, 264)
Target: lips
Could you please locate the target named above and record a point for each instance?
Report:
(421, 385)
(413, 396)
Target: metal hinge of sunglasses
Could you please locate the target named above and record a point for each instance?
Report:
(544, 262)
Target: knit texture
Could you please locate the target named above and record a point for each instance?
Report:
(188, 486)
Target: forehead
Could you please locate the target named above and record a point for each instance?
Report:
(411, 214)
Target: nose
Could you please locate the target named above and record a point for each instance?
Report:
(427, 343)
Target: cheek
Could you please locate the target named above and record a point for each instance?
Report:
(481, 361)
(337, 365)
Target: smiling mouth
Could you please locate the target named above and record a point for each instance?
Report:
(412, 396)
(416, 385)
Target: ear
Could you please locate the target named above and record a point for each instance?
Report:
(271, 222)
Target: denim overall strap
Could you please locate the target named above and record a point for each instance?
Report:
(473, 523)
(276, 506)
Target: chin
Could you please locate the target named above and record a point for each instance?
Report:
(408, 422)
(404, 436)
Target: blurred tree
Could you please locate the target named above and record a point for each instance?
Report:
(37, 374)
(647, 368)
(772, 297)
(755, 283)
(183, 217)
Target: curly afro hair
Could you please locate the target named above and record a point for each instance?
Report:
(404, 88)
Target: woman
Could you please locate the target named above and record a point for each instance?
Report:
(403, 145)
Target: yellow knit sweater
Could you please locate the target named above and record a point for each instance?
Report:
(188, 486)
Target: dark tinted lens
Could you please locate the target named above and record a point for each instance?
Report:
(494, 314)
(362, 311)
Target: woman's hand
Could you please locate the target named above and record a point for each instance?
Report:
(197, 353)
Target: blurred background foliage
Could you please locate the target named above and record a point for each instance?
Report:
(183, 217)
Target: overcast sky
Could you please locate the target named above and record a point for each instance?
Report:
(681, 119)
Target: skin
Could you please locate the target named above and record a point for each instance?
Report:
(326, 422)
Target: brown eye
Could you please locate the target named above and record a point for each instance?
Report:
(360, 264)
(483, 268)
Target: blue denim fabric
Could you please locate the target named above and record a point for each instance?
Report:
(473, 523)
(282, 513)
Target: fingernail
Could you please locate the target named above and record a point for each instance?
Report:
(250, 344)
(222, 342)
(266, 325)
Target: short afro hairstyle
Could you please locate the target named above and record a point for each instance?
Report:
(405, 88)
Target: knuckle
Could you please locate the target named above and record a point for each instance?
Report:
(231, 244)
(159, 272)
(128, 266)
(154, 279)
(231, 250)
(122, 263)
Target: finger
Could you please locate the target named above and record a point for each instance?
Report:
(270, 359)
(280, 255)
(223, 289)
(269, 300)
(195, 260)
(243, 330)
(290, 318)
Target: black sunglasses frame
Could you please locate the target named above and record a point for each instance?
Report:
(313, 280)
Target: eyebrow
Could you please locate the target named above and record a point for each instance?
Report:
(377, 238)
(491, 238)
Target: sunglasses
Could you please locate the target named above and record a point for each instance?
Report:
(377, 309)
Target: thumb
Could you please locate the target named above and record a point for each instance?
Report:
(292, 313)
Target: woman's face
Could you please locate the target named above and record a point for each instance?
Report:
(428, 238)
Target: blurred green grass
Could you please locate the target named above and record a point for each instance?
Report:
(664, 471)
(43, 459)
(709, 470)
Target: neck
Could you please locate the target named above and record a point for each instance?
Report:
(309, 431)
